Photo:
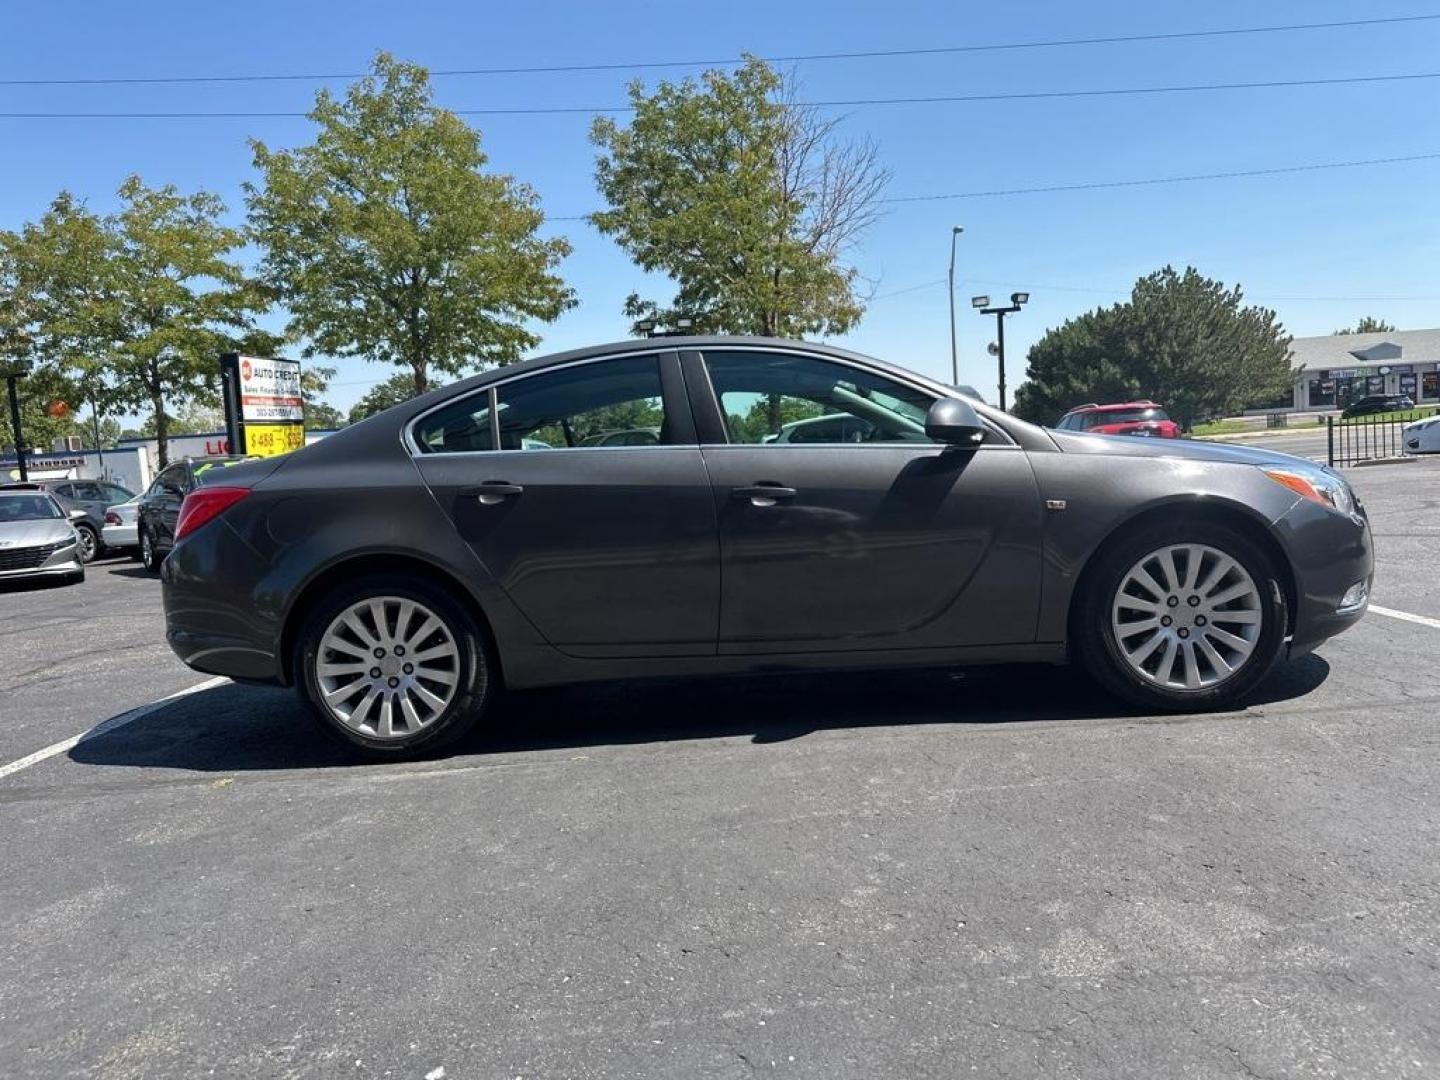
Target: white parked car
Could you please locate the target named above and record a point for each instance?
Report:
(1423, 436)
(121, 532)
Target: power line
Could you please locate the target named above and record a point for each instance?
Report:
(1042, 287)
(1025, 95)
(555, 69)
(1100, 184)
(1315, 167)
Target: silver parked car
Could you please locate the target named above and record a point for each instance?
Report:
(37, 539)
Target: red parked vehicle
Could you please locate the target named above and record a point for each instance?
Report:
(1125, 418)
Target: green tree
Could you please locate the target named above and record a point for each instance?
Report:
(398, 388)
(1369, 325)
(746, 199)
(386, 240)
(135, 307)
(1181, 339)
(320, 415)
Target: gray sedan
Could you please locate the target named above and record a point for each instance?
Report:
(37, 539)
(404, 569)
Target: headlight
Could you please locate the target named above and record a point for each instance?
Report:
(1316, 484)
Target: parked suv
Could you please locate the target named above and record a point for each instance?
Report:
(160, 505)
(1125, 418)
(1378, 403)
(92, 498)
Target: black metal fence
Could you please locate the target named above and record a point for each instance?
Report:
(1365, 438)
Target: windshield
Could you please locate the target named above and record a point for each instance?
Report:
(28, 507)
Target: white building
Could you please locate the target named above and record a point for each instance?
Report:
(1333, 371)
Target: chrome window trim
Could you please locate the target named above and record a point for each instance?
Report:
(407, 435)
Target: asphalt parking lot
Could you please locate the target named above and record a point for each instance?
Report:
(992, 873)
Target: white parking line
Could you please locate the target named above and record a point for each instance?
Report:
(104, 726)
(1422, 620)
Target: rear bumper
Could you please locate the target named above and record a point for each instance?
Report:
(212, 621)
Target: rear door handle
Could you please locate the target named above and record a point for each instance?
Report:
(493, 492)
(764, 494)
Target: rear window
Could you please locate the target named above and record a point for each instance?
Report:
(1124, 416)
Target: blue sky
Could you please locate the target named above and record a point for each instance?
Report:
(1322, 248)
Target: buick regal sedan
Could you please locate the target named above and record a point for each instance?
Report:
(403, 570)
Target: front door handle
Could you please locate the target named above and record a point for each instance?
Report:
(493, 492)
(763, 494)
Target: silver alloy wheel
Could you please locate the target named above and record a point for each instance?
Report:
(147, 550)
(1186, 617)
(89, 545)
(387, 667)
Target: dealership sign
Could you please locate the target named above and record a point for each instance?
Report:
(270, 391)
(264, 408)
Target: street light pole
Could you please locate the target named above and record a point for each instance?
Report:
(982, 304)
(954, 353)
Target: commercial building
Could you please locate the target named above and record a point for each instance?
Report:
(1333, 371)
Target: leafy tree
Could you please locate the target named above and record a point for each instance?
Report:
(395, 390)
(194, 418)
(320, 415)
(386, 239)
(1181, 339)
(135, 307)
(748, 200)
(1369, 325)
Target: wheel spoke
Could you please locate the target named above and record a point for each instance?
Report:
(328, 669)
(1127, 602)
(1130, 629)
(1234, 592)
(346, 692)
(359, 714)
(382, 628)
(1221, 666)
(1239, 644)
(385, 721)
(433, 700)
(351, 621)
(1172, 565)
(1222, 566)
(1191, 666)
(1244, 616)
(1139, 655)
(1167, 662)
(426, 630)
(412, 718)
(1146, 581)
(440, 675)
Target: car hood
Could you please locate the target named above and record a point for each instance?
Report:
(1184, 449)
(16, 534)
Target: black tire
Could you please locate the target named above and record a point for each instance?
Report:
(476, 685)
(149, 557)
(90, 546)
(1093, 644)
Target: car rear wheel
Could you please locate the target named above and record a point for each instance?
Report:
(149, 557)
(89, 543)
(394, 667)
(1182, 617)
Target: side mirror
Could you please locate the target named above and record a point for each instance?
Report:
(953, 421)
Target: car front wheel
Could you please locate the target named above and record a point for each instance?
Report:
(1182, 617)
(394, 667)
(89, 543)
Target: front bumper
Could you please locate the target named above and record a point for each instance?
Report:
(62, 563)
(1330, 553)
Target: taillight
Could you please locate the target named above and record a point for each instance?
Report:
(203, 504)
(112, 518)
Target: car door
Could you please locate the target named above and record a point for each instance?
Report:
(170, 487)
(895, 542)
(90, 497)
(608, 549)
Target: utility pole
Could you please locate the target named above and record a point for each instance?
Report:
(11, 379)
(982, 304)
(955, 231)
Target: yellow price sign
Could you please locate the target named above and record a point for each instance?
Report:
(267, 440)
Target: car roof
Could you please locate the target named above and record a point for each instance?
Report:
(1115, 406)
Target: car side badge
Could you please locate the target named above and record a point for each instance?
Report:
(1055, 504)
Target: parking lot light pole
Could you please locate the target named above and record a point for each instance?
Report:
(982, 304)
(955, 231)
